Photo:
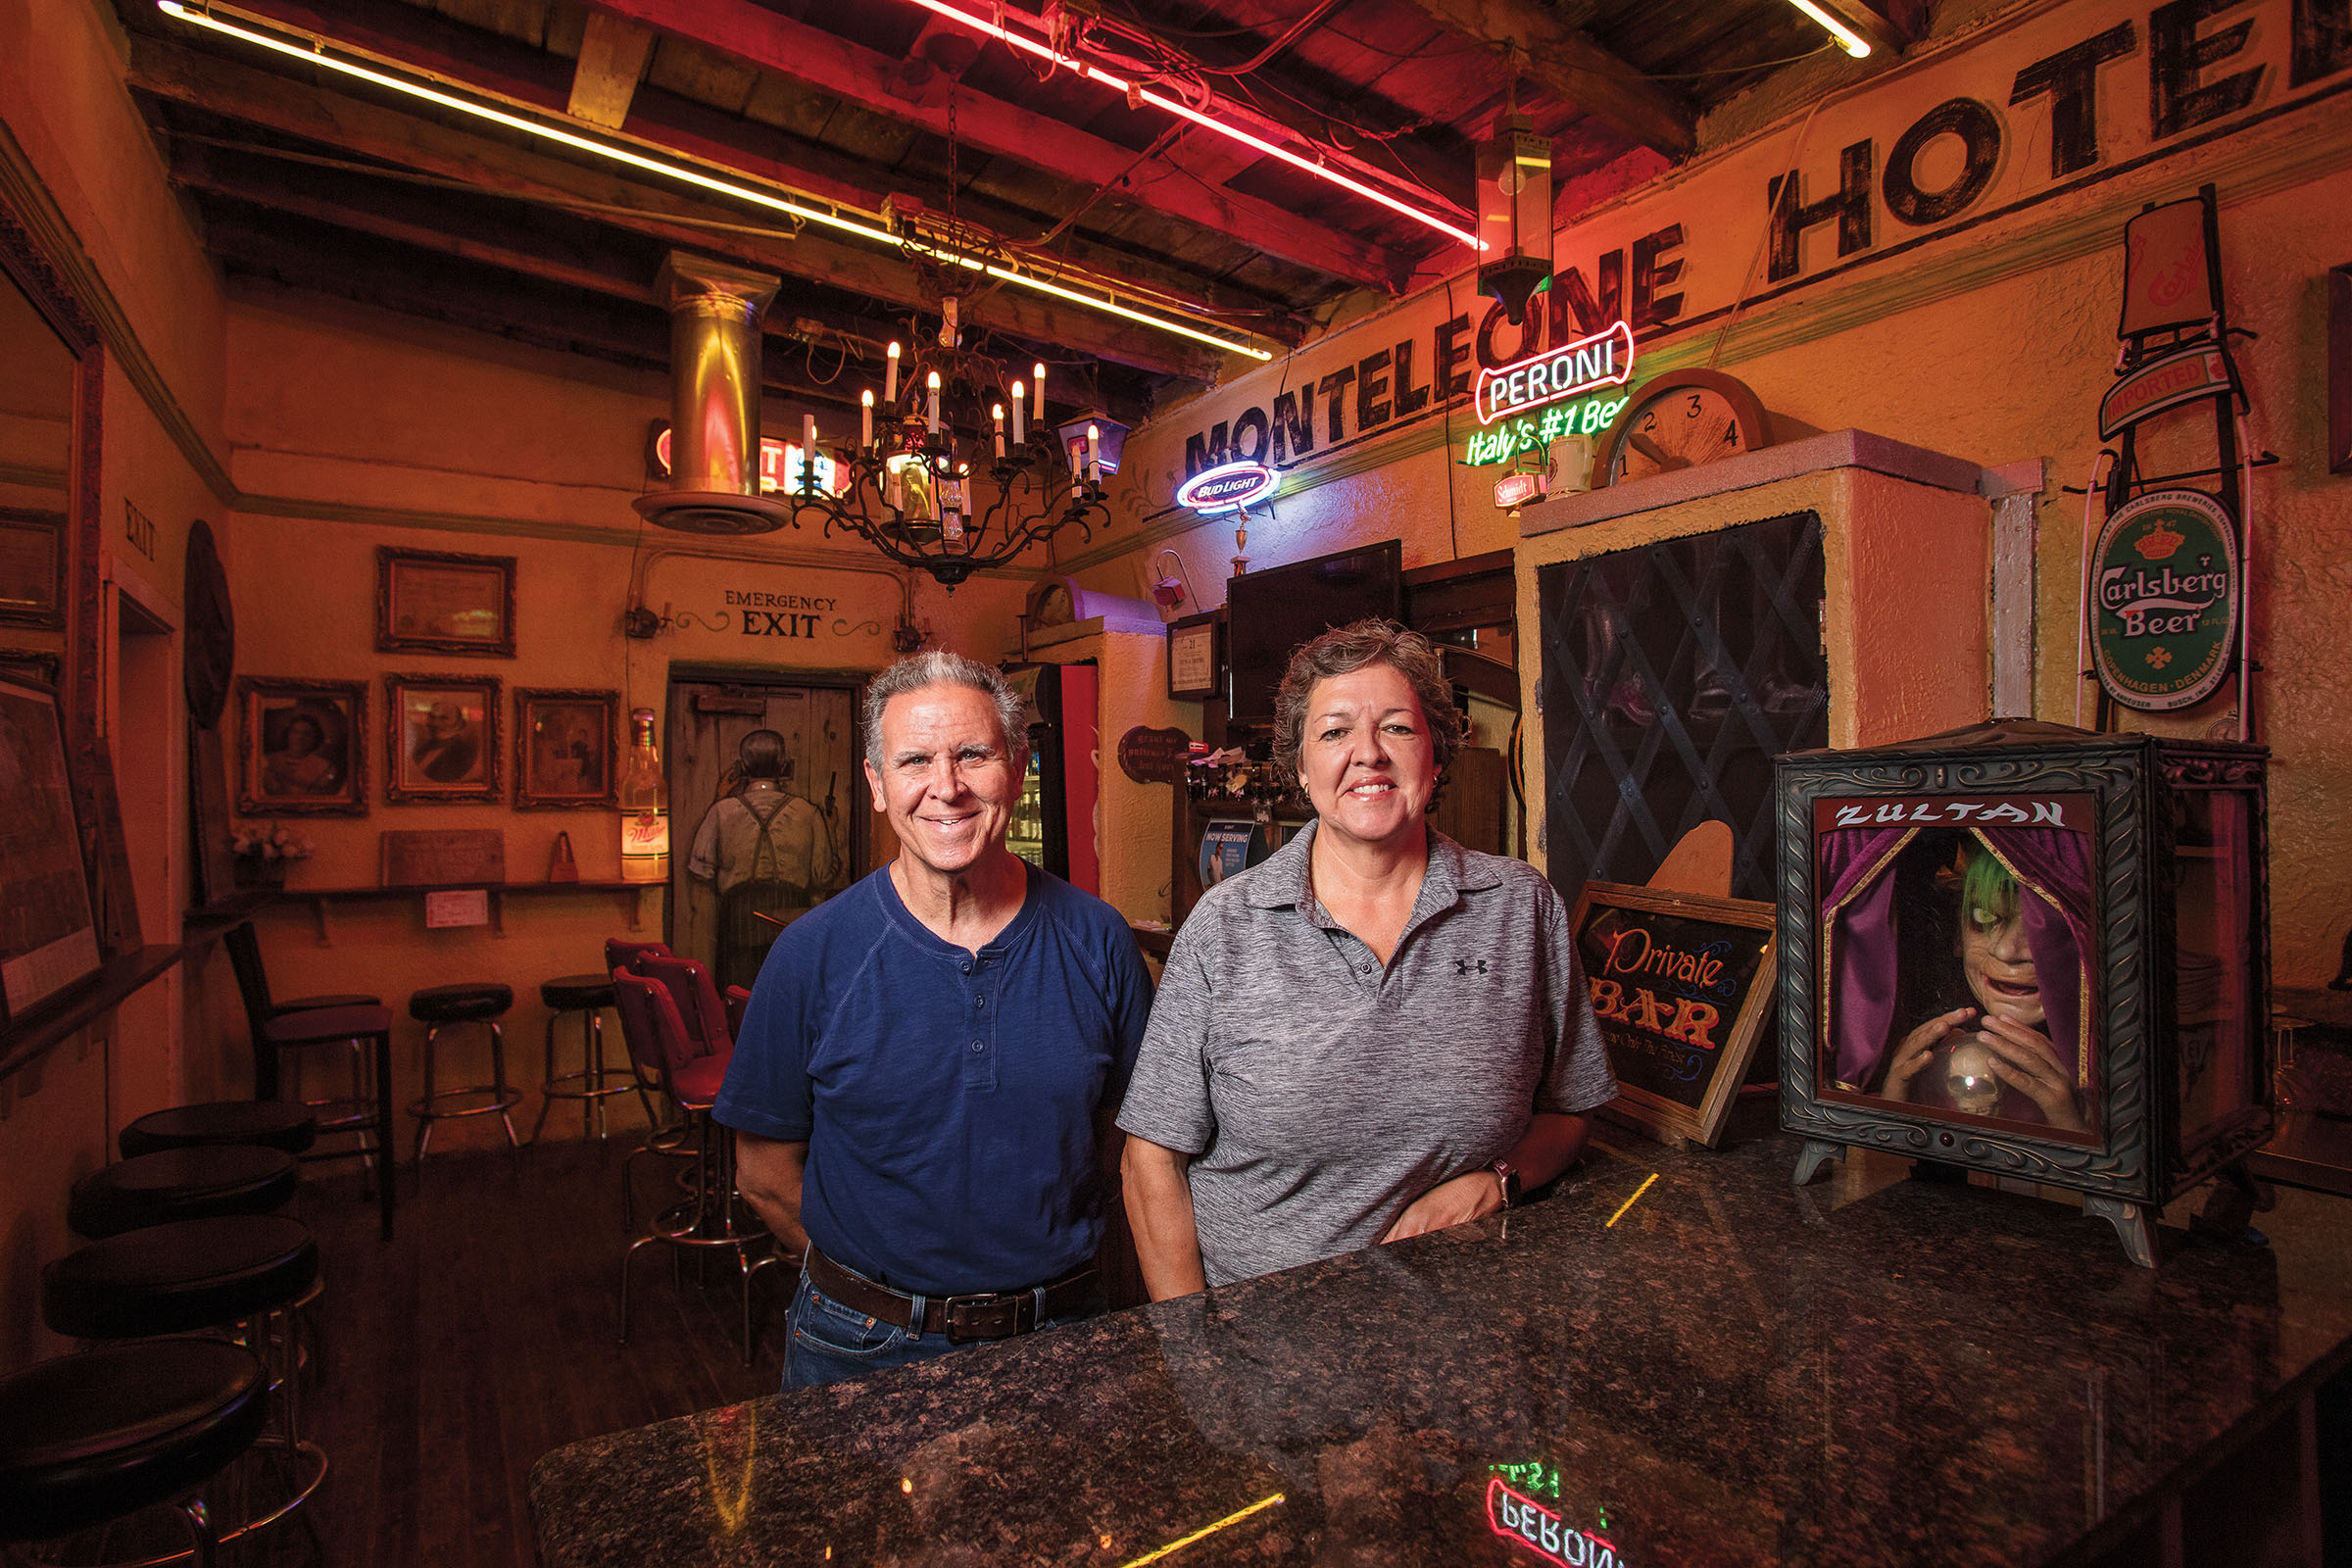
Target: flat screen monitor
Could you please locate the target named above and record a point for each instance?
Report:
(1272, 612)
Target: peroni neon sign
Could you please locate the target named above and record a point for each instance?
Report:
(1533, 433)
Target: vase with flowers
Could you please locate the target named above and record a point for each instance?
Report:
(264, 851)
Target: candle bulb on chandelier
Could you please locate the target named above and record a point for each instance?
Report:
(933, 385)
(890, 377)
(1037, 392)
(997, 409)
(1093, 454)
(1020, 423)
(1077, 457)
(865, 420)
(808, 452)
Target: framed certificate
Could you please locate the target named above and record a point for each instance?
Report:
(1197, 656)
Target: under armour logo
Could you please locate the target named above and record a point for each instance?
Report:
(1463, 965)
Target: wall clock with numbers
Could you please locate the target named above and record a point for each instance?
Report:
(1680, 420)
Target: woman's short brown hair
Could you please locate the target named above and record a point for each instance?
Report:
(1345, 650)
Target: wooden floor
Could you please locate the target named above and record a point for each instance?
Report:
(486, 1334)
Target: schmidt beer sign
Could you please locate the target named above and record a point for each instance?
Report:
(2164, 587)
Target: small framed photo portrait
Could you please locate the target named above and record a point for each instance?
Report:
(440, 738)
(301, 747)
(32, 568)
(1197, 656)
(433, 602)
(563, 748)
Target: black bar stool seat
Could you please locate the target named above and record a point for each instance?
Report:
(172, 1279)
(576, 993)
(265, 1123)
(181, 1183)
(91, 1437)
(467, 1002)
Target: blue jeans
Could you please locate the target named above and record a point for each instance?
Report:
(825, 1341)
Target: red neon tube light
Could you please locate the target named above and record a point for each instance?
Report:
(1173, 105)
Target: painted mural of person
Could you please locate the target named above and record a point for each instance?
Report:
(765, 852)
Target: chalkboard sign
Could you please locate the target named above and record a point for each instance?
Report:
(1682, 985)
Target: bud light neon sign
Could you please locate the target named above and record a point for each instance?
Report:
(1228, 487)
(1605, 358)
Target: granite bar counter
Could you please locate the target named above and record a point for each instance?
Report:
(1864, 1371)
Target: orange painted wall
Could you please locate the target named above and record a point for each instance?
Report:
(355, 432)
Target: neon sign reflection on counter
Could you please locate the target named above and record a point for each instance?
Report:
(1525, 1522)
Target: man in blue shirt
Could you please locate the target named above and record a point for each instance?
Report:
(924, 1085)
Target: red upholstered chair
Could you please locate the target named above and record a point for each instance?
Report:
(673, 1139)
(738, 1002)
(704, 1016)
(713, 1214)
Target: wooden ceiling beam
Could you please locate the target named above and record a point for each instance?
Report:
(873, 80)
(612, 56)
(581, 254)
(172, 72)
(1566, 63)
(492, 67)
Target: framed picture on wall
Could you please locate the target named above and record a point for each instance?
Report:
(48, 931)
(32, 568)
(1197, 656)
(440, 738)
(563, 744)
(438, 602)
(301, 747)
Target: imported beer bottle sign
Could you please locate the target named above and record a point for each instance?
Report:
(2164, 584)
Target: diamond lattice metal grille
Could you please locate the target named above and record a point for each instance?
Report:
(1673, 676)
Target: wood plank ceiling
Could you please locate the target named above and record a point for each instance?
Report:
(304, 179)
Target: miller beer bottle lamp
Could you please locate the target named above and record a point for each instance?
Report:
(644, 805)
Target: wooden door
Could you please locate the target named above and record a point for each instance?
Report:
(707, 721)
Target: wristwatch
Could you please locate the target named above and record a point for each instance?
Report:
(1507, 1174)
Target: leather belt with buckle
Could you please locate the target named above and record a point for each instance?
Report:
(995, 1315)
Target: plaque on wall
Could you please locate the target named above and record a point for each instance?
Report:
(443, 858)
(1197, 656)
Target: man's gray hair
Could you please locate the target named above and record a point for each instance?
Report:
(940, 667)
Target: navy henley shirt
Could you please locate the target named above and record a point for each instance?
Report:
(948, 1097)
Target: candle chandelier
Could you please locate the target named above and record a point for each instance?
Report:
(954, 469)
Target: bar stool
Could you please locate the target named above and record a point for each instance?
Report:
(713, 1216)
(587, 995)
(439, 1008)
(89, 1439)
(261, 1123)
(242, 1274)
(264, 1123)
(180, 1184)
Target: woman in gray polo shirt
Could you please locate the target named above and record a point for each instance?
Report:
(1374, 1034)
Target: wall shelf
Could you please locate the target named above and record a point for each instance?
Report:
(319, 899)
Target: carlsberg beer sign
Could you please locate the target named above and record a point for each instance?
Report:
(2164, 599)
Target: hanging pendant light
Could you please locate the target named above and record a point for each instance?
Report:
(1514, 214)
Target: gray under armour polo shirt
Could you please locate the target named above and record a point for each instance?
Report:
(1320, 1094)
